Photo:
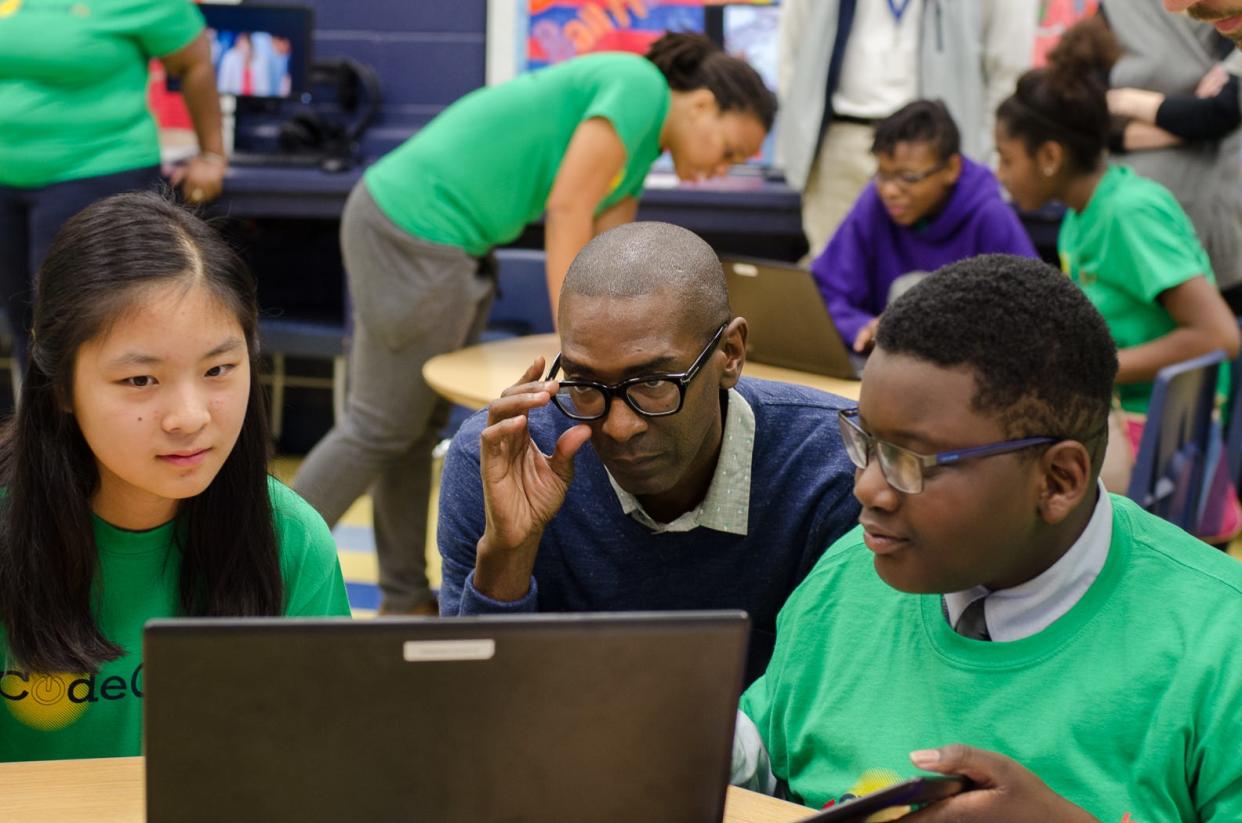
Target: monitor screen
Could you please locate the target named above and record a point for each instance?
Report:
(259, 51)
(751, 32)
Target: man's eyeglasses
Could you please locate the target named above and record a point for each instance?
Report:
(907, 179)
(902, 468)
(651, 395)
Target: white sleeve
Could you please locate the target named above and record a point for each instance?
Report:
(752, 768)
(1233, 63)
(790, 33)
(1009, 29)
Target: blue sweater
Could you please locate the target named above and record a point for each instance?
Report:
(593, 557)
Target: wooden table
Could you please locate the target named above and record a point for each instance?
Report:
(475, 376)
(111, 791)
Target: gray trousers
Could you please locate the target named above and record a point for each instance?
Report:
(412, 300)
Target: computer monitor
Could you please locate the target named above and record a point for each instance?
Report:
(261, 52)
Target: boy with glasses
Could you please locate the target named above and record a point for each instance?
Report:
(1079, 649)
(927, 206)
(700, 489)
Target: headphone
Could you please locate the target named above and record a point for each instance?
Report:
(312, 132)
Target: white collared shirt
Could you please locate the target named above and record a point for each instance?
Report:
(1031, 607)
(726, 506)
(880, 68)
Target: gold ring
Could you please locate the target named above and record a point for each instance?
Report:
(196, 194)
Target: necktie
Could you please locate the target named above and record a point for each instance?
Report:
(972, 623)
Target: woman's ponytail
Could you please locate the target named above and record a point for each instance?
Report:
(692, 61)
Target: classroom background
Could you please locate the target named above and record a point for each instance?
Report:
(327, 87)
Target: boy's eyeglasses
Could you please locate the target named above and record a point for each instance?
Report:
(651, 395)
(902, 468)
(908, 179)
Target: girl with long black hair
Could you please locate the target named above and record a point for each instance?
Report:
(135, 477)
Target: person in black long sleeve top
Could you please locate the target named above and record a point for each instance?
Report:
(1176, 117)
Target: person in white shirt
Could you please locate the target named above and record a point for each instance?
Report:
(848, 63)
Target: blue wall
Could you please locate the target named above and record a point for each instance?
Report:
(427, 54)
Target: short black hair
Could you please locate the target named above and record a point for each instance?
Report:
(1042, 356)
(923, 121)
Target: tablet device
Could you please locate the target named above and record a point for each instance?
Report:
(919, 791)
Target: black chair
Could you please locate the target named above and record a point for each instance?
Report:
(320, 335)
(1233, 427)
(1170, 475)
(521, 305)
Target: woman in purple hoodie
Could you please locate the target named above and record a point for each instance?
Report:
(928, 206)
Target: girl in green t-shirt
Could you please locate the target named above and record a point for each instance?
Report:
(1124, 240)
(573, 143)
(135, 476)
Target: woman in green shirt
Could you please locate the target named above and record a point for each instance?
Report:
(574, 143)
(74, 121)
(135, 477)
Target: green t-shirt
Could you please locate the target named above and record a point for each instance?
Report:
(59, 716)
(478, 173)
(1132, 242)
(73, 84)
(1129, 705)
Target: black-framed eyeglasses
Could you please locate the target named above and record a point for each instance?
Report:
(907, 179)
(651, 395)
(903, 469)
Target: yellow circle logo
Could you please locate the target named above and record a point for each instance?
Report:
(47, 707)
(9, 7)
(873, 780)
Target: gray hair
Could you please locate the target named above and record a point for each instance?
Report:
(640, 259)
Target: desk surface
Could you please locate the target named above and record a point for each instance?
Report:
(111, 791)
(475, 376)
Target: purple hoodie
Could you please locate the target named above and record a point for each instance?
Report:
(870, 251)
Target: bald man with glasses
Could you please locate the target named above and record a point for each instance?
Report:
(699, 488)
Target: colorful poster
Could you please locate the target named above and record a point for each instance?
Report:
(561, 29)
(1055, 17)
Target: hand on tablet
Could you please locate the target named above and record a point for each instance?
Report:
(523, 488)
(1004, 790)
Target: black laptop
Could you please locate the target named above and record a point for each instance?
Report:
(625, 717)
